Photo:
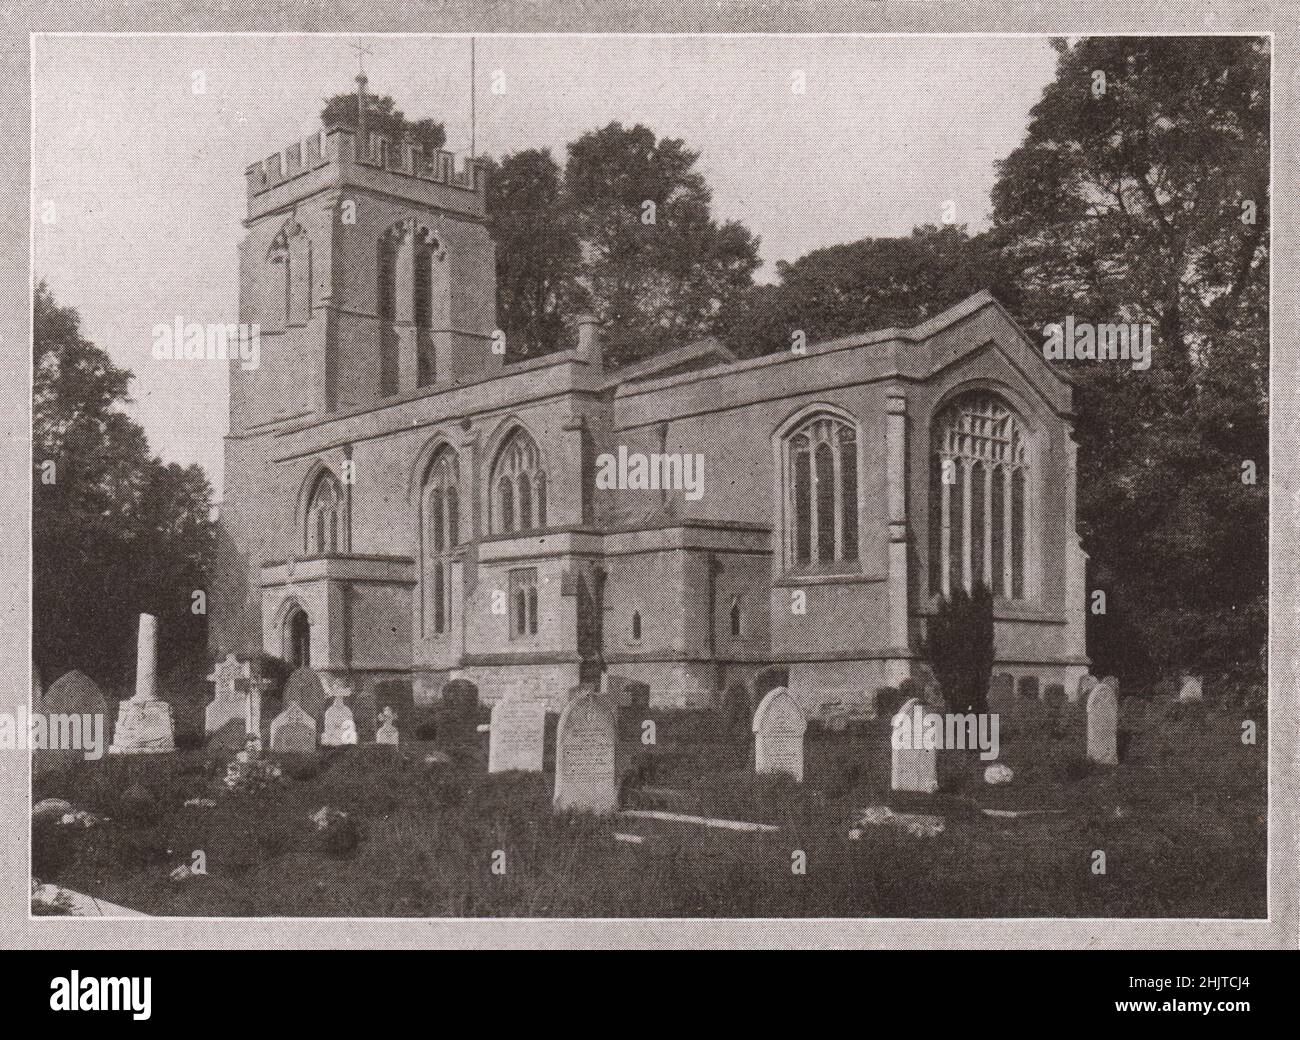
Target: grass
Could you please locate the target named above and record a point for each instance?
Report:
(1181, 821)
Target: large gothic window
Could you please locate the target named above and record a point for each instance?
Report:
(289, 285)
(518, 486)
(325, 518)
(441, 535)
(822, 490)
(979, 501)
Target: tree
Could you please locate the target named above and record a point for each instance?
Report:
(382, 117)
(538, 251)
(656, 267)
(959, 646)
(115, 532)
(873, 283)
(1147, 201)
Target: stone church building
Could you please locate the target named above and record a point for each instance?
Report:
(401, 504)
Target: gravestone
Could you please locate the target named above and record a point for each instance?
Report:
(779, 726)
(637, 696)
(1028, 687)
(1113, 683)
(1081, 691)
(293, 730)
(398, 694)
(1191, 690)
(585, 774)
(1002, 692)
(304, 688)
(912, 767)
(340, 727)
(144, 723)
(387, 731)
(1103, 722)
(1054, 694)
(232, 695)
(518, 735)
(73, 695)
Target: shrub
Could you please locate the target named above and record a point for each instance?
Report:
(339, 838)
(959, 646)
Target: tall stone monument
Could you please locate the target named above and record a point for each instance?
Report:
(144, 723)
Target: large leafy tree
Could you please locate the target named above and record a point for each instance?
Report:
(115, 532)
(656, 266)
(538, 251)
(1140, 194)
(873, 283)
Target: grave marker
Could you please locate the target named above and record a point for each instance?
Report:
(1103, 722)
(779, 726)
(585, 756)
(912, 766)
(293, 730)
(518, 730)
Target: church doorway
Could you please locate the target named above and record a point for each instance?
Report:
(298, 629)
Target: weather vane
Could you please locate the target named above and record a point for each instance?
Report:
(361, 53)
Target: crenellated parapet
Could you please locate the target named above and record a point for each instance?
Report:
(380, 155)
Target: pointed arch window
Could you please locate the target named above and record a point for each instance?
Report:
(523, 603)
(289, 286)
(518, 486)
(440, 536)
(979, 501)
(735, 617)
(325, 533)
(636, 626)
(822, 492)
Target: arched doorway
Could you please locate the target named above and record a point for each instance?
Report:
(297, 627)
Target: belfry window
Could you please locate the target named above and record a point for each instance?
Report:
(822, 492)
(979, 499)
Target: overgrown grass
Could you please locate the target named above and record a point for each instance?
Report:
(1181, 821)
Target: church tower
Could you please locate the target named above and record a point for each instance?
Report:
(369, 270)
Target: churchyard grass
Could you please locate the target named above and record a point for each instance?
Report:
(1181, 820)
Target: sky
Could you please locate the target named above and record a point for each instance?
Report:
(138, 183)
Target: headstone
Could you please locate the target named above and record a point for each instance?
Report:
(517, 735)
(144, 723)
(1081, 691)
(1113, 683)
(1028, 687)
(73, 695)
(232, 694)
(1191, 690)
(1054, 694)
(340, 727)
(637, 696)
(293, 730)
(912, 767)
(585, 775)
(304, 688)
(387, 731)
(779, 725)
(1103, 722)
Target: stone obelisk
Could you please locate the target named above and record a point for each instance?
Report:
(144, 723)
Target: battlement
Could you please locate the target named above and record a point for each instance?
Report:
(338, 146)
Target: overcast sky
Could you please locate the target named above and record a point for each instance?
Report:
(146, 177)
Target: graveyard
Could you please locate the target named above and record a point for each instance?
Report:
(616, 809)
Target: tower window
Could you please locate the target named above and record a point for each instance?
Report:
(636, 626)
(735, 617)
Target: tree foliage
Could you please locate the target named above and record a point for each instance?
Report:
(1128, 205)
(115, 532)
(383, 117)
(959, 647)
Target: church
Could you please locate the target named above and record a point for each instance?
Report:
(403, 505)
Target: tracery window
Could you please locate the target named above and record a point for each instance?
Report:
(518, 486)
(822, 468)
